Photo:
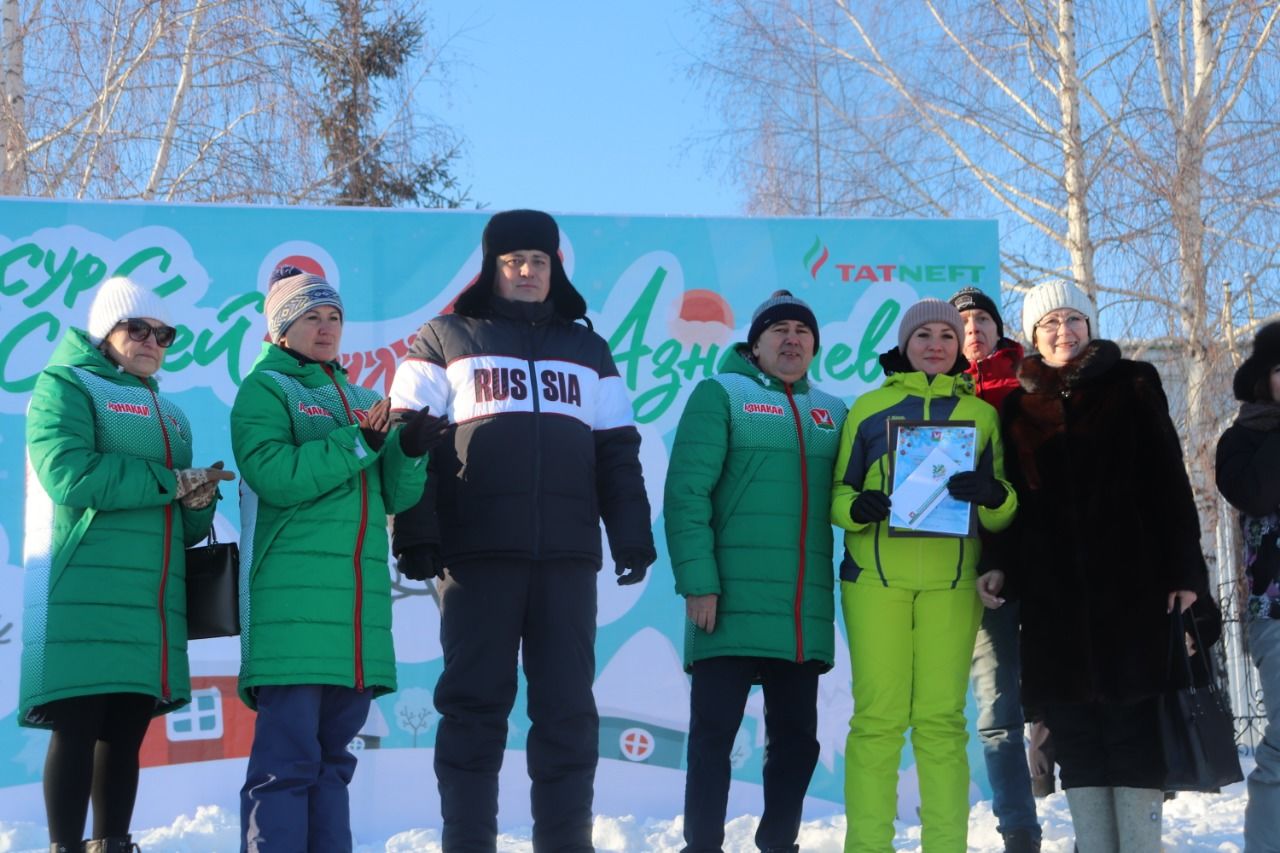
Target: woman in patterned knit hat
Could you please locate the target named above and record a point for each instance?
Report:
(111, 507)
(321, 473)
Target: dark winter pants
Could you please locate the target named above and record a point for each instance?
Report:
(294, 798)
(94, 752)
(1107, 744)
(717, 701)
(490, 610)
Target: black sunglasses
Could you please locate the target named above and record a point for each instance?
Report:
(140, 330)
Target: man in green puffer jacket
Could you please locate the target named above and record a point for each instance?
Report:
(747, 495)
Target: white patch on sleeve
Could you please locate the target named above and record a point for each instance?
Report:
(613, 409)
(422, 384)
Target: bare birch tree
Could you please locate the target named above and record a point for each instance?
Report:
(209, 100)
(1131, 155)
(14, 97)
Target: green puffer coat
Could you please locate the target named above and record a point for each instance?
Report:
(747, 496)
(105, 599)
(919, 563)
(315, 588)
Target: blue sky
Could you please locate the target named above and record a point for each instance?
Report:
(577, 106)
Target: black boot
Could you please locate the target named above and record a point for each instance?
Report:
(62, 848)
(1021, 841)
(123, 844)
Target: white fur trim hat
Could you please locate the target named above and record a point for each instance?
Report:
(120, 299)
(1051, 296)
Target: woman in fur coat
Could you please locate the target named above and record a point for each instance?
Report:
(1105, 544)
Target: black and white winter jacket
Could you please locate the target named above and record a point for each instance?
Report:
(544, 443)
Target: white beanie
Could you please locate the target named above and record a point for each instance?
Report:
(1051, 296)
(120, 299)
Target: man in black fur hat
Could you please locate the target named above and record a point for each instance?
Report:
(543, 447)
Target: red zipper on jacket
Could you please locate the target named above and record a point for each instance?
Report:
(804, 523)
(364, 518)
(168, 547)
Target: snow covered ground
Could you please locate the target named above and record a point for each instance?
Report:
(1193, 822)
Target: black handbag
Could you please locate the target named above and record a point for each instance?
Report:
(1196, 727)
(213, 589)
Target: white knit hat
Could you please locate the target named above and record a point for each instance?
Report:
(1051, 296)
(120, 299)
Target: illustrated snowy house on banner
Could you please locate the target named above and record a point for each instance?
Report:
(216, 724)
(646, 677)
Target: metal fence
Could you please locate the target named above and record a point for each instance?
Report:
(1236, 669)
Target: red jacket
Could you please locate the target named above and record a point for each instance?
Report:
(997, 374)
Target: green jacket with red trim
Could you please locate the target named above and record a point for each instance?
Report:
(105, 578)
(747, 495)
(315, 587)
(919, 563)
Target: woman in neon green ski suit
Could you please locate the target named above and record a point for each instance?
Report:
(911, 605)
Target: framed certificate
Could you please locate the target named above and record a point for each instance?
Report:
(922, 457)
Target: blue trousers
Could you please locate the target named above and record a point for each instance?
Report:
(995, 676)
(717, 701)
(1262, 815)
(294, 798)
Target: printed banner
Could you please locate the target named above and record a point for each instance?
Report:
(670, 295)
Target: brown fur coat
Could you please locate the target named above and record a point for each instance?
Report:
(1106, 528)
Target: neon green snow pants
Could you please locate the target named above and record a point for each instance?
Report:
(910, 653)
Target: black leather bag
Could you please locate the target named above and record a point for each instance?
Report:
(1196, 727)
(213, 589)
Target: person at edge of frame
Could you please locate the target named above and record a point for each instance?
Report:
(112, 506)
(994, 673)
(1248, 475)
(911, 604)
(747, 498)
(543, 446)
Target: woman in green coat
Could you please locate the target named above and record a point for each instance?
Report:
(111, 506)
(321, 473)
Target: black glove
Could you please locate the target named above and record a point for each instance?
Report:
(632, 567)
(374, 438)
(421, 432)
(869, 507)
(976, 488)
(419, 562)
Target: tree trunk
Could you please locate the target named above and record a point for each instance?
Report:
(12, 109)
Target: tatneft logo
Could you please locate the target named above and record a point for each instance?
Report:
(907, 273)
(762, 409)
(822, 419)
